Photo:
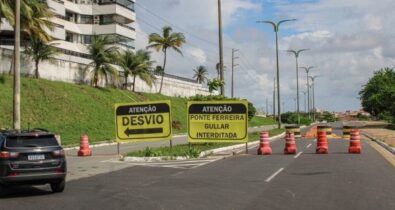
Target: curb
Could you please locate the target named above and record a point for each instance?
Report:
(108, 144)
(380, 142)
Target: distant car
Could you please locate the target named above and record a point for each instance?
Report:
(32, 157)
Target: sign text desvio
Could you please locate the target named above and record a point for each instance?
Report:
(146, 121)
(217, 121)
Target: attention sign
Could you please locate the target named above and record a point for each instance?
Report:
(217, 121)
(146, 121)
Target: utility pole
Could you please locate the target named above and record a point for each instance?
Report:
(267, 107)
(313, 94)
(17, 70)
(274, 99)
(304, 100)
(221, 58)
(233, 68)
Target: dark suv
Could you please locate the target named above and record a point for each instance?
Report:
(32, 157)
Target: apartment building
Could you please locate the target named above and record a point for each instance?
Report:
(76, 21)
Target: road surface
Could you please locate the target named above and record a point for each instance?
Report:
(337, 180)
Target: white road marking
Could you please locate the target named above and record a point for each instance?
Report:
(274, 175)
(296, 156)
(309, 145)
(178, 164)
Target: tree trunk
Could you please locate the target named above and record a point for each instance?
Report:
(134, 83)
(163, 72)
(126, 81)
(10, 72)
(36, 73)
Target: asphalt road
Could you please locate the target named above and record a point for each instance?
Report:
(304, 181)
(111, 149)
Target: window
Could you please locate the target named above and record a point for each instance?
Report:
(86, 39)
(106, 19)
(86, 19)
(69, 37)
(31, 141)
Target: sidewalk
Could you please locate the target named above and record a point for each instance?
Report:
(385, 135)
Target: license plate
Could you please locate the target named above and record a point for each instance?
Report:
(36, 157)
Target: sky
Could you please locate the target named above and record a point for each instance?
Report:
(348, 40)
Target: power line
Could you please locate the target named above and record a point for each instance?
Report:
(175, 26)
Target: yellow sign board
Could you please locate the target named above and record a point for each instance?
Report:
(145, 121)
(217, 121)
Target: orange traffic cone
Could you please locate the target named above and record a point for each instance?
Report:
(290, 145)
(322, 143)
(264, 145)
(84, 146)
(355, 142)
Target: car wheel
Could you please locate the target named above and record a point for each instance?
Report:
(58, 186)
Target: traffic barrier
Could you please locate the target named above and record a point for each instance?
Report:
(327, 129)
(322, 143)
(290, 145)
(311, 133)
(346, 132)
(355, 142)
(294, 129)
(84, 146)
(264, 145)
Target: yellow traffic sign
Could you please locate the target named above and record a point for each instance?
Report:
(143, 121)
(217, 121)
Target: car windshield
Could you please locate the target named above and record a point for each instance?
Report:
(31, 141)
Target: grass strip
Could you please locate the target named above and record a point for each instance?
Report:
(194, 150)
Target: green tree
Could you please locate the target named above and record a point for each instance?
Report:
(103, 55)
(214, 84)
(378, 95)
(40, 51)
(137, 64)
(35, 15)
(168, 40)
(200, 74)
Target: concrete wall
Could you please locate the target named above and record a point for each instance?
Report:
(71, 69)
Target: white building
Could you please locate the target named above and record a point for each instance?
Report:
(76, 21)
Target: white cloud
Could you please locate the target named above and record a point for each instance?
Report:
(349, 39)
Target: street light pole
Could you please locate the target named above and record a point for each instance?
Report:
(17, 73)
(221, 57)
(274, 98)
(307, 69)
(276, 27)
(296, 53)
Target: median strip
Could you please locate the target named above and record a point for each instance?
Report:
(197, 150)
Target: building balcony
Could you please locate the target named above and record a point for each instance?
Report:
(57, 6)
(101, 9)
(92, 29)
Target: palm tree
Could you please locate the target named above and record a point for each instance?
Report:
(137, 64)
(167, 40)
(35, 15)
(40, 51)
(200, 74)
(103, 55)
